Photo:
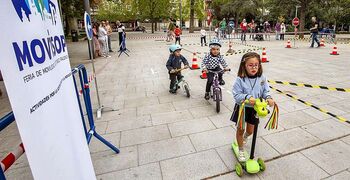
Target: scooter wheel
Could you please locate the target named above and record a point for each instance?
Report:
(239, 169)
(262, 164)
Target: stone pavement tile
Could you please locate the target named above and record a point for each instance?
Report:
(23, 173)
(128, 123)
(144, 135)
(291, 140)
(334, 109)
(233, 176)
(190, 103)
(204, 111)
(97, 146)
(146, 172)
(137, 102)
(291, 106)
(322, 99)
(346, 139)
(118, 114)
(9, 143)
(170, 117)
(101, 127)
(328, 129)
(333, 156)
(22, 161)
(193, 166)
(222, 120)
(279, 98)
(167, 98)
(190, 127)
(295, 119)
(342, 175)
(293, 166)
(307, 92)
(262, 150)
(316, 113)
(213, 138)
(168, 107)
(165, 149)
(109, 161)
(342, 105)
(10, 130)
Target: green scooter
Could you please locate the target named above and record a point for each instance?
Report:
(254, 166)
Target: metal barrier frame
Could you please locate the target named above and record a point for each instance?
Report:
(83, 79)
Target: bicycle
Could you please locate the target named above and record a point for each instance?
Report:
(182, 83)
(215, 89)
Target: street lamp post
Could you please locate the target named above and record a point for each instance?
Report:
(180, 14)
(296, 29)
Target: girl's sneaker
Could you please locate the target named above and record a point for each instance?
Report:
(241, 156)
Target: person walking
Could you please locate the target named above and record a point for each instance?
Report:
(314, 32)
(278, 30)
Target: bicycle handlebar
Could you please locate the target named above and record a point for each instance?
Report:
(223, 70)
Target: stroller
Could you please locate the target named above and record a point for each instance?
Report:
(259, 32)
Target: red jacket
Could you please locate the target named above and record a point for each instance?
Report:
(177, 31)
(244, 28)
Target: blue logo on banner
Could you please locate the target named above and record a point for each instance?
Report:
(45, 8)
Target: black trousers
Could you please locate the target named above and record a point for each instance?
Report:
(177, 39)
(210, 76)
(203, 39)
(173, 77)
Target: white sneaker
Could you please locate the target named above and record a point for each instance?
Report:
(241, 156)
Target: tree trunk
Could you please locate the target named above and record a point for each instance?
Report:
(156, 26)
(73, 24)
(192, 17)
(152, 26)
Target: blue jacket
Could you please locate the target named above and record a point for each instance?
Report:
(255, 87)
(175, 62)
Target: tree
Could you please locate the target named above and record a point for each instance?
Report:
(153, 10)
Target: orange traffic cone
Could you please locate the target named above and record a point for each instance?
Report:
(322, 43)
(194, 62)
(288, 44)
(334, 52)
(264, 57)
(204, 75)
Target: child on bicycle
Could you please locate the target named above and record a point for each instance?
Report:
(249, 85)
(174, 64)
(212, 62)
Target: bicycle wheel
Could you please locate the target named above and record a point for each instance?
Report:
(217, 99)
(187, 90)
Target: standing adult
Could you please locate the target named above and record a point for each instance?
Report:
(267, 29)
(102, 38)
(121, 30)
(278, 30)
(109, 35)
(97, 46)
(243, 26)
(314, 32)
(251, 27)
(223, 28)
(283, 31)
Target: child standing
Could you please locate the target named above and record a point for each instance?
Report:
(212, 62)
(174, 63)
(249, 85)
(203, 37)
(177, 32)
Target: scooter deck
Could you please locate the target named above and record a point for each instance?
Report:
(235, 150)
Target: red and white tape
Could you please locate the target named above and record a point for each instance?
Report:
(90, 79)
(12, 157)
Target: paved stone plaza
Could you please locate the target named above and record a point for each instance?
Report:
(166, 136)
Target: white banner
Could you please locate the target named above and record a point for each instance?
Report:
(37, 74)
